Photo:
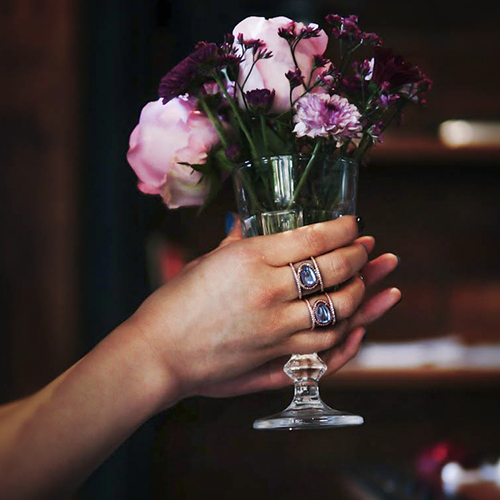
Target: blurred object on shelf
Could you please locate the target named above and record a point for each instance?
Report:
(432, 459)
(469, 133)
(449, 352)
(164, 259)
(455, 477)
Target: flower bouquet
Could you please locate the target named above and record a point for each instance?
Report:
(289, 119)
(268, 89)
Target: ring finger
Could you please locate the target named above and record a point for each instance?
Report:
(334, 268)
(345, 303)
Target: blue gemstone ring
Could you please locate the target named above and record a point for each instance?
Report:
(322, 312)
(307, 277)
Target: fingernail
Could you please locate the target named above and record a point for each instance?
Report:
(361, 224)
(399, 260)
(229, 222)
(364, 337)
(400, 299)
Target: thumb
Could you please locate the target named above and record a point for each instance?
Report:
(235, 233)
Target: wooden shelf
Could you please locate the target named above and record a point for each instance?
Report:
(424, 377)
(419, 149)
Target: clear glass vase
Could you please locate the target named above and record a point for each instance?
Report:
(279, 193)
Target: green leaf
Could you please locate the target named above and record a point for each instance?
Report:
(215, 185)
(204, 168)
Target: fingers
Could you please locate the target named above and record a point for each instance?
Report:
(375, 307)
(315, 239)
(307, 341)
(345, 302)
(340, 265)
(337, 357)
(234, 235)
(335, 267)
(379, 268)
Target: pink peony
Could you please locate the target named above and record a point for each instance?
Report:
(166, 135)
(270, 73)
(322, 115)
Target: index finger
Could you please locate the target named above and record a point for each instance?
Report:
(313, 240)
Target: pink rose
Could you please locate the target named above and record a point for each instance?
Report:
(166, 135)
(270, 73)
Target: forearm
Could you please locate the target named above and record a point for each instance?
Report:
(51, 441)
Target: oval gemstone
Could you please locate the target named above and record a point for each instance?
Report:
(322, 313)
(308, 276)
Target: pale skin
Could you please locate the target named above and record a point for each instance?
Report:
(207, 333)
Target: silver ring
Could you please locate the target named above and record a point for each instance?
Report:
(322, 312)
(307, 277)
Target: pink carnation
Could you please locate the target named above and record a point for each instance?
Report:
(322, 115)
(165, 136)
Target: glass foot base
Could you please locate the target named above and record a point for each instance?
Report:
(307, 418)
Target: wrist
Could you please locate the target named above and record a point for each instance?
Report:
(152, 385)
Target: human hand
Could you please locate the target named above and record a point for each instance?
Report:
(226, 325)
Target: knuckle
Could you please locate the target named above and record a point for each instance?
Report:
(349, 304)
(341, 267)
(327, 340)
(263, 296)
(315, 239)
(351, 351)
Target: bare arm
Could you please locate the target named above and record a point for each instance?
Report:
(221, 328)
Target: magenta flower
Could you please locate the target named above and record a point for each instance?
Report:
(188, 72)
(260, 100)
(322, 115)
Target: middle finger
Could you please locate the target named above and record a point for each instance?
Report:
(336, 267)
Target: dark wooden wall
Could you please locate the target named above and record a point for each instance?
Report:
(39, 195)
(73, 228)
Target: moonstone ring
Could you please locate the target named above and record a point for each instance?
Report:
(322, 312)
(307, 277)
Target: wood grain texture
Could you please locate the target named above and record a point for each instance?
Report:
(39, 102)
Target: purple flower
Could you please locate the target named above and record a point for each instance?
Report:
(188, 72)
(346, 28)
(295, 78)
(320, 61)
(393, 71)
(288, 32)
(260, 100)
(321, 115)
(250, 43)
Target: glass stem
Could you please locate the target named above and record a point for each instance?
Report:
(306, 392)
(305, 370)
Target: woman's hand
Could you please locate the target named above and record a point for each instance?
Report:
(224, 326)
(227, 324)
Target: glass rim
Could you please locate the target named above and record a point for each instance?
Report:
(249, 163)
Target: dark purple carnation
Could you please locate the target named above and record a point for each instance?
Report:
(260, 100)
(393, 71)
(192, 69)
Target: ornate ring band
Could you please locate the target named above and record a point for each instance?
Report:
(307, 277)
(322, 312)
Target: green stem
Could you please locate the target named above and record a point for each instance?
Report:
(264, 135)
(214, 120)
(237, 115)
(306, 172)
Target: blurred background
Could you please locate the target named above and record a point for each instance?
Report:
(81, 247)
